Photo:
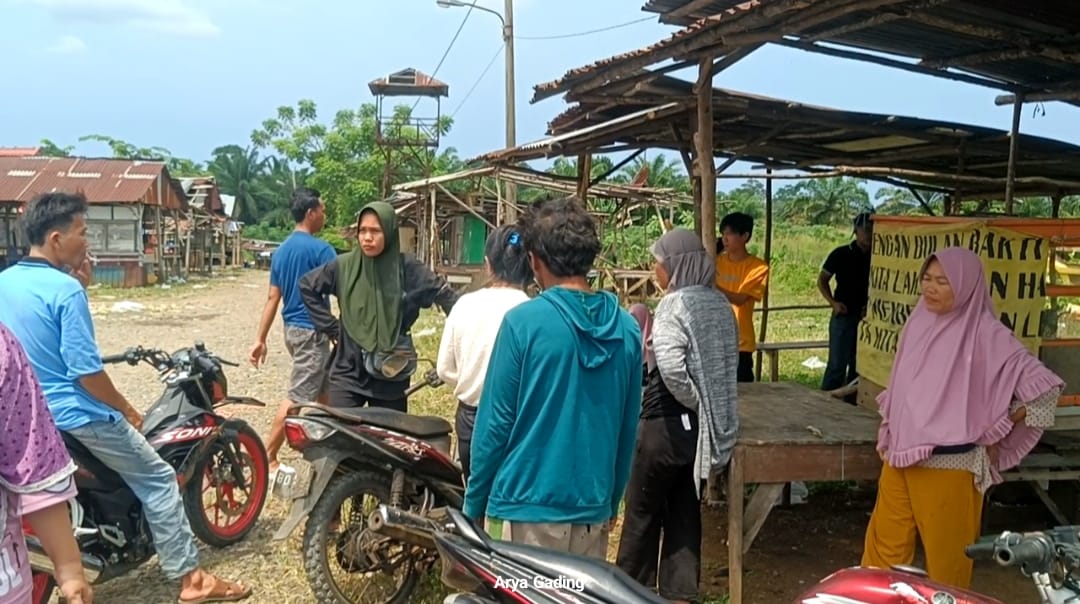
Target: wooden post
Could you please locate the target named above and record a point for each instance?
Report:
(584, 170)
(177, 215)
(706, 168)
(736, 487)
(159, 251)
(432, 260)
(768, 260)
(1014, 135)
(187, 244)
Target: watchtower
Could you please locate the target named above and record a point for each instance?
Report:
(395, 128)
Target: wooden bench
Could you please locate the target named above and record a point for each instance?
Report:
(772, 350)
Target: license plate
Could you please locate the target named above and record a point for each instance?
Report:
(292, 482)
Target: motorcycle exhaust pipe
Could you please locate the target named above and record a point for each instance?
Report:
(41, 562)
(403, 526)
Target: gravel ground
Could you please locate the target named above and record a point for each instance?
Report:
(223, 312)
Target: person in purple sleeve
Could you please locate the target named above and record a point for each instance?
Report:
(35, 484)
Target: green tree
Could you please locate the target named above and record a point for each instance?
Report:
(823, 201)
(239, 172)
(347, 164)
(177, 166)
(748, 198)
(48, 148)
(661, 171)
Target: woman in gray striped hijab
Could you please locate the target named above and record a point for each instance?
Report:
(688, 420)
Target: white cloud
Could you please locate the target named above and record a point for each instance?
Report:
(163, 16)
(68, 45)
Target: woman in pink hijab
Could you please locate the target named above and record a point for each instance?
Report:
(965, 402)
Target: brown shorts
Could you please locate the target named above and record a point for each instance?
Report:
(310, 352)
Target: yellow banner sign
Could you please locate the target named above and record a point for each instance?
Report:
(1016, 265)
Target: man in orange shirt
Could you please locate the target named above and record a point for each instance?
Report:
(741, 277)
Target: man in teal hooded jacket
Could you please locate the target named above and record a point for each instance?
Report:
(556, 423)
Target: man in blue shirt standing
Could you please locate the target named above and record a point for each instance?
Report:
(48, 311)
(310, 350)
(557, 420)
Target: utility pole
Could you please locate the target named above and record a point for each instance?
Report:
(507, 19)
(511, 117)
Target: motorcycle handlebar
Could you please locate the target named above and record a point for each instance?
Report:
(113, 359)
(980, 551)
(1029, 551)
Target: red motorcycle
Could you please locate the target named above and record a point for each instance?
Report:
(1049, 558)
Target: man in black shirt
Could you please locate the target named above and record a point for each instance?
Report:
(850, 264)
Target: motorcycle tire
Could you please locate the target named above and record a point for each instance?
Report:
(316, 534)
(203, 526)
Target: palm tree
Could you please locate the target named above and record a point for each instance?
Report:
(661, 172)
(238, 172)
(825, 201)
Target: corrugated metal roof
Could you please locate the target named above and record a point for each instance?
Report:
(408, 82)
(101, 180)
(1030, 44)
(1027, 46)
(787, 134)
(18, 151)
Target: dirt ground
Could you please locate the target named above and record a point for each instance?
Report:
(796, 547)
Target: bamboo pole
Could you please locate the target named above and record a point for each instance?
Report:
(768, 260)
(464, 205)
(918, 174)
(705, 150)
(434, 226)
(1014, 143)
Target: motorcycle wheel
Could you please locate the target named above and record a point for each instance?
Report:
(44, 585)
(317, 535)
(211, 476)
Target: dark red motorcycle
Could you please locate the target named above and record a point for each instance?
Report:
(220, 463)
(1050, 558)
(496, 572)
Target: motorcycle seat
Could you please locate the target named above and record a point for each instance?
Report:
(94, 474)
(600, 579)
(420, 426)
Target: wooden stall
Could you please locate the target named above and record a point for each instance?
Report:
(622, 106)
(446, 219)
(129, 200)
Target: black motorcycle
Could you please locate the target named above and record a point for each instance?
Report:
(220, 463)
(364, 457)
(490, 571)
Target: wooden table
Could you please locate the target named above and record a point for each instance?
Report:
(789, 432)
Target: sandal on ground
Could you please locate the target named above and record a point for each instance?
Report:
(224, 591)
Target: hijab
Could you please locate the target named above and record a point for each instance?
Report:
(956, 374)
(370, 289)
(684, 258)
(644, 319)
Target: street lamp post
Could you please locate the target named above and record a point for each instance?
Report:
(507, 20)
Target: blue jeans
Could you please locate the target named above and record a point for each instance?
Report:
(125, 451)
(843, 339)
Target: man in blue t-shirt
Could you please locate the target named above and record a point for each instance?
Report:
(310, 350)
(47, 309)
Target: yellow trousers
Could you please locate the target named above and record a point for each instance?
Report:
(942, 506)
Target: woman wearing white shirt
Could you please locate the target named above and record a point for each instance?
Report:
(471, 327)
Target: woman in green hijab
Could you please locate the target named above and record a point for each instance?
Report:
(380, 292)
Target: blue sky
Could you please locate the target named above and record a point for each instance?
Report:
(189, 75)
